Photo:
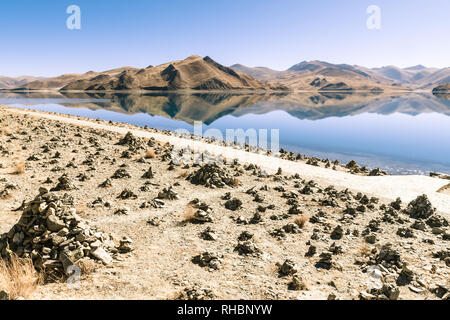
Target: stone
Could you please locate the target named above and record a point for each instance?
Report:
(125, 245)
(420, 208)
(66, 261)
(247, 247)
(102, 255)
(371, 238)
(58, 237)
(120, 174)
(389, 256)
(130, 141)
(233, 204)
(169, 194)
(297, 283)
(4, 295)
(212, 176)
(287, 268)
(311, 251)
(148, 174)
(208, 259)
(196, 293)
(337, 233)
(54, 224)
(209, 235)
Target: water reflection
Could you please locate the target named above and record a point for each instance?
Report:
(402, 133)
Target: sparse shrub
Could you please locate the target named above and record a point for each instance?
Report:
(301, 221)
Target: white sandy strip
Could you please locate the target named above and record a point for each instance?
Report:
(388, 187)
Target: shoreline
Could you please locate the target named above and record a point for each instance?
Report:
(407, 187)
(233, 91)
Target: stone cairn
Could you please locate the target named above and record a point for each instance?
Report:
(213, 176)
(56, 238)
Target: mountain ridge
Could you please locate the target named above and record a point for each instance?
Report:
(204, 74)
(306, 74)
(192, 73)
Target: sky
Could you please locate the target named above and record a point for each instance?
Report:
(271, 33)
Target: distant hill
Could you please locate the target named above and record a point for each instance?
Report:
(320, 75)
(193, 73)
(442, 91)
(10, 82)
(261, 73)
(418, 77)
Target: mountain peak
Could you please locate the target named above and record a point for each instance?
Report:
(416, 68)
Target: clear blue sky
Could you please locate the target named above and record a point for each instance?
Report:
(270, 33)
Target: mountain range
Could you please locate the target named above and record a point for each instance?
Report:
(308, 75)
(10, 82)
(193, 73)
(204, 74)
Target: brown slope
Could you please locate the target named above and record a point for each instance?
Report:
(260, 73)
(12, 82)
(442, 91)
(319, 75)
(193, 73)
(57, 83)
(444, 87)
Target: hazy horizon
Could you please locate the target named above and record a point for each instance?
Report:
(253, 33)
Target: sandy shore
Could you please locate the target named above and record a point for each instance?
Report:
(305, 233)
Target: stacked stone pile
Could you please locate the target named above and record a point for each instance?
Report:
(52, 234)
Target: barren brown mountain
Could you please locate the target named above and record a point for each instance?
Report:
(193, 73)
(12, 82)
(442, 88)
(324, 76)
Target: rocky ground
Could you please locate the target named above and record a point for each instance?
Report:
(171, 230)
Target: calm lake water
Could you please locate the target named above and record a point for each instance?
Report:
(400, 133)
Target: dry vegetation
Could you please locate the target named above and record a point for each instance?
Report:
(301, 221)
(189, 213)
(18, 278)
(150, 154)
(19, 167)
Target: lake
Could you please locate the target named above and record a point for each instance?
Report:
(400, 133)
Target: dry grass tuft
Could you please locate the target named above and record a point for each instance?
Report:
(301, 221)
(236, 182)
(189, 213)
(87, 266)
(18, 278)
(19, 167)
(365, 250)
(150, 154)
(183, 174)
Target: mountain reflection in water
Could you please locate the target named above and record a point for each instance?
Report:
(401, 133)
